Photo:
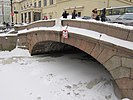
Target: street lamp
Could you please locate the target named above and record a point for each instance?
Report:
(12, 13)
(16, 12)
(3, 11)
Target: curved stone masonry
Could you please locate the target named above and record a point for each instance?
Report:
(117, 60)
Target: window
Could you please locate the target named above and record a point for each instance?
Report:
(14, 8)
(25, 16)
(35, 4)
(51, 2)
(39, 3)
(30, 4)
(27, 4)
(21, 8)
(22, 18)
(118, 10)
(45, 2)
(129, 10)
(50, 16)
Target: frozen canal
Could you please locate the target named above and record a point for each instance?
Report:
(62, 77)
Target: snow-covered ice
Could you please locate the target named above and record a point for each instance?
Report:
(65, 77)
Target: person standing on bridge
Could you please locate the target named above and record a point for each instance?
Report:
(74, 15)
(65, 14)
(103, 15)
(94, 13)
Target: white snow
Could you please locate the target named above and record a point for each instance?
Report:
(67, 77)
(125, 99)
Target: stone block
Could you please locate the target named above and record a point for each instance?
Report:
(89, 47)
(98, 27)
(64, 22)
(83, 45)
(130, 36)
(105, 55)
(74, 24)
(121, 72)
(97, 50)
(8, 43)
(132, 73)
(85, 25)
(94, 26)
(113, 63)
(127, 62)
(125, 83)
(78, 43)
(127, 93)
(52, 35)
(118, 32)
(71, 41)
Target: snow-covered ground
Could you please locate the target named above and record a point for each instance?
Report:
(62, 77)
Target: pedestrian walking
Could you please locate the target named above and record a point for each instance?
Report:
(65, 14)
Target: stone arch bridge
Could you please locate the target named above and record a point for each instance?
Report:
(118, 60)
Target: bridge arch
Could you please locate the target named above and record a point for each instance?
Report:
(45, 47)
(117, 60)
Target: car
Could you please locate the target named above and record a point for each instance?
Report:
(86, 17)
(126, 19)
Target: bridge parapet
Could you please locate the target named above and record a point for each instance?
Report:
(118, 32)
(43, 23)
(109, 29)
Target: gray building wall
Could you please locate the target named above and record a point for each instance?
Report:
(6, 9)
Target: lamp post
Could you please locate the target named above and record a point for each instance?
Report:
(16, 12)
(12, 14)
(3, 11)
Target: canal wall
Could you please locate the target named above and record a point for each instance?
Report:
(8, 43)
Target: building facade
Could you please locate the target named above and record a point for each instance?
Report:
(33, 10)
(4, 11)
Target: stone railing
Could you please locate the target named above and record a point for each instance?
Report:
(109, 29)
(118, 32)
(43, 23)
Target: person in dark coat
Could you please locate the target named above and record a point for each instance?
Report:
(74, 15)
(7, 25)
(103, 15)
(65, 14)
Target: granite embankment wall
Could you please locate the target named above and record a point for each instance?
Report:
(8, 42)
